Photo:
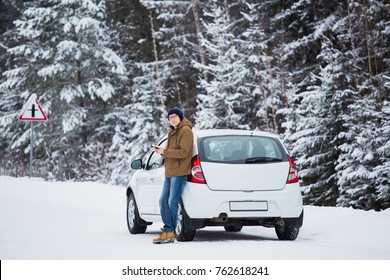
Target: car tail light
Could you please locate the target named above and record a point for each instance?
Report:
(293, 172)
(196, 175)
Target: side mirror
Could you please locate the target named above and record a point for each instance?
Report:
(136, 164)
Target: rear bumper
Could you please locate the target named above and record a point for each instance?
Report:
(202, 203)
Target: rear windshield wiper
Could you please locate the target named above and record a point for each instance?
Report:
(261, 159)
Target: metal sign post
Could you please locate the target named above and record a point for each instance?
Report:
(32, 111)
(31, 148)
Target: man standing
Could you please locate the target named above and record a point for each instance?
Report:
(177, 157)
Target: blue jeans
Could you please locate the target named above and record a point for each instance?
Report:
(169, 200)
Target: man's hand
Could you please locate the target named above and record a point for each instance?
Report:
(159, 150)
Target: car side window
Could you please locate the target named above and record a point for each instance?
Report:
(155, 159)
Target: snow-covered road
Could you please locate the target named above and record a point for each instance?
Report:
(66, 220)
(42, 220)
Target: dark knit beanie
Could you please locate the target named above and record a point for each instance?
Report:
(176, 111)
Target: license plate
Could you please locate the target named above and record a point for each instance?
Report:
(248, 206)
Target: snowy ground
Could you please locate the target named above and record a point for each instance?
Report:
(42, 220)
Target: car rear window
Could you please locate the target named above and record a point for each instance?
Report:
(241, 149)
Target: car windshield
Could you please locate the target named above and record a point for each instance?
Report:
(241, 149)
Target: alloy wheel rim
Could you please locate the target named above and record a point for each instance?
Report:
(179, 220)
(131, 213)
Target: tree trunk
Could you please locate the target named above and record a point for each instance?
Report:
(158, 76)
(155, 53)
(272, 91)
(352, 46)
(263, 94)
(199, 37)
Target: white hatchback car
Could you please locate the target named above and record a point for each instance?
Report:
(239, 178)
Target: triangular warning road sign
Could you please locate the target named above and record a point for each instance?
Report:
(32, 111)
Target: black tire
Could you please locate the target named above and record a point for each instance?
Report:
(183, 231)
(233, 228)
(286, 233)
(134, 223)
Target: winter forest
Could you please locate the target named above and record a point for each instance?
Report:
(315, 72)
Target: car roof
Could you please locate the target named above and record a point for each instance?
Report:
(221, 132)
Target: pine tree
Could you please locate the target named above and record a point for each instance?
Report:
(314, 147)
(220, 104)
(358, 156)
(361, 155)
(253, 48)
(379, 21)
(173, 33)
(159, 80)
(140, 123)
(381, 171)
(67, 61)
(9, 11)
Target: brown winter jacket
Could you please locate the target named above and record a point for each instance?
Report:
(178, 152)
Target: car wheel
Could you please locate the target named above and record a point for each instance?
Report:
(183, 232)
(286, 233)
(233, 228)
(133, 218)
